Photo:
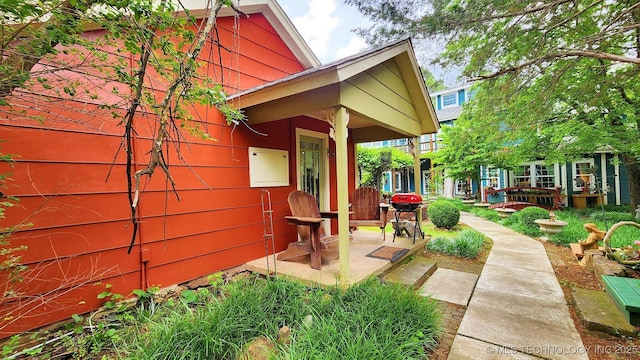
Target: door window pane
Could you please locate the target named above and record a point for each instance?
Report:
(311, 166)
(584, 175)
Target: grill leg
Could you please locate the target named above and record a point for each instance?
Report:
(397, 227)
(416, 227)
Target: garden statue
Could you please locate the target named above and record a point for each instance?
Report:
(595, 235)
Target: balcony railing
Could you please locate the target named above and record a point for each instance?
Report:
(425, 146)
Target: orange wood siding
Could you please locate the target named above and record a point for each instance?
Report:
(70, 178)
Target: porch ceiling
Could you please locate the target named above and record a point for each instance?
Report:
(382, 89)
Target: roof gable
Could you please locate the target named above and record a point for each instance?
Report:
(382, 88)
(276, 17)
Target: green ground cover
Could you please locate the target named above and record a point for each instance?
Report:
(604, 217)
(371, 320)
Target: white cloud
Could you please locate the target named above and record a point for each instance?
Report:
(317, 24)
(326, 26)
(354, 46)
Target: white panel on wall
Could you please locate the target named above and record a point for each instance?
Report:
(268, 167)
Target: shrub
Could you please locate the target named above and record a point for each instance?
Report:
(456, 202)
(488, 214)
(530, 214)
(523, 221)
(443, 214)
(466, 244)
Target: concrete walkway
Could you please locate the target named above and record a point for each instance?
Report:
(517, 309)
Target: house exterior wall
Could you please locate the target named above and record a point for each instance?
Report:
(70, 178)
(625, 196)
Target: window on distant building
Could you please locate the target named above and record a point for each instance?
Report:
(583, 174)
(449, 99)
(463, 187)
(399, 142)
(492, 177)
(536, 175)
(426, 182)
(470, 94)
(545, 176)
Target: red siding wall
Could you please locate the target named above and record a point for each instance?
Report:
(70, 178)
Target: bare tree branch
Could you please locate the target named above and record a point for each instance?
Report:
(21, 62)
(165, 120)
(567, 54)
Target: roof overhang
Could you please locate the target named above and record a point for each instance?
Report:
(382, 89)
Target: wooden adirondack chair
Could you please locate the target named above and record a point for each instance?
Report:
(368, 210)
(308, 219)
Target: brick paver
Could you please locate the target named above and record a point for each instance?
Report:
(451, 317)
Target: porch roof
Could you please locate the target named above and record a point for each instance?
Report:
(382, 90)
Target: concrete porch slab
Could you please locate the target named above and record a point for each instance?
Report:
(361, 266)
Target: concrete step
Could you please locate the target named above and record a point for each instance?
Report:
(413, 273)
(450, 286)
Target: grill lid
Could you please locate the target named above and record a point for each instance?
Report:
(406, 198)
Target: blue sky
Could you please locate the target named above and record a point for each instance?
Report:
(326, 25)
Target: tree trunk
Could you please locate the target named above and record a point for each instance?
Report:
(633, 171)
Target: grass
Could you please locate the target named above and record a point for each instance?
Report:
(365, 321)
(574, 231)
(434, 231)
(604, 218)
(371, 320)
(467, 243)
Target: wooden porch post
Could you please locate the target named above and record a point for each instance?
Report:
(342, 174)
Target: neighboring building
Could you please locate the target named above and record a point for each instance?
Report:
(313, 115)
(448, 105)
(395, 181)
(600, 172)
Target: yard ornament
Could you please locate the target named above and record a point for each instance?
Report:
(595, 235)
